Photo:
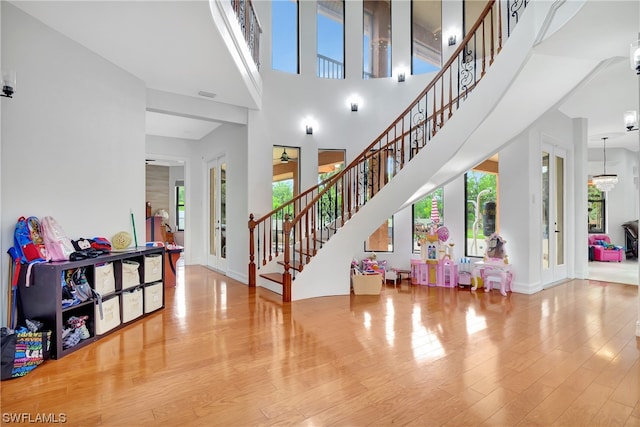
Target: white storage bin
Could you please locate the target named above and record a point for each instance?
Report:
(105, 281)
(153, 297)
(130, 274)
(152, 268)
(110, 315)
(131, 304)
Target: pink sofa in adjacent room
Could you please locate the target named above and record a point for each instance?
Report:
(603, 250)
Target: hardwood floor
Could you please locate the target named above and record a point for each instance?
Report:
(221, 354)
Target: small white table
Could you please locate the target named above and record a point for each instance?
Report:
(492, 268)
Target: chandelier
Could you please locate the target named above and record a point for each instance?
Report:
(605, 182)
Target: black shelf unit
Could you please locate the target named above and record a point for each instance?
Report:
(41, 299)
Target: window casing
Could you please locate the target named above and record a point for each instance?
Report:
(381, 240)
(423, 214)
(482, 206)
(596, 210)
(426, 36)
(330, 39)
(285, 36)
(180, 207)
(376, 38)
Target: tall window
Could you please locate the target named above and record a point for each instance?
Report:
(427, 211)
(284, 43)
(180, 205)
(377, 38)
(426, 30)
(596, 210)
(330, 39)
(330, 163)
(481, 198)
(381, 240)
(472, 11)
(285, 182)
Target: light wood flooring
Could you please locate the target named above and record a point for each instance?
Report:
(220, 354)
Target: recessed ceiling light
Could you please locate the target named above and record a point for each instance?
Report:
(207, 94)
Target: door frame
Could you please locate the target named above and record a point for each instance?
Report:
(188, 225)
(214, 262)
(555, 273)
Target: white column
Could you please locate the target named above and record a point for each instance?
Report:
(638, 189)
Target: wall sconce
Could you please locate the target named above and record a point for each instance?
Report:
(400, 76)
(631, 120)
(8, 83)
(308, 124)
(634, 56)
(452, 40)
(353, 102)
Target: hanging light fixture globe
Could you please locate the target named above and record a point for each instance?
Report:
(605, 182)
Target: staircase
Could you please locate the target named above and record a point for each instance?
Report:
(417, 144)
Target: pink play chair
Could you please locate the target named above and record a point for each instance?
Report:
(603, 250)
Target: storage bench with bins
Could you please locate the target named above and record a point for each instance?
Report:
(130, 284)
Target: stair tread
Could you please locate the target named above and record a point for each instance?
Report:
(274, 277)
(296, 265)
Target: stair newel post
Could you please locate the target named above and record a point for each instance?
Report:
(252, 264)
(286, 277)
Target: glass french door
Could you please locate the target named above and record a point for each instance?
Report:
(217, 214)
(554, 248)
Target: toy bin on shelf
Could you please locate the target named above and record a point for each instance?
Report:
(152, 268)
(107, 314)
(130, 274)
(132, 304)
(105, 281)
(366, 284)
(153, 297)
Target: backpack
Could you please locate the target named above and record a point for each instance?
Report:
(28, 248)
(59, 246)
(27, 241)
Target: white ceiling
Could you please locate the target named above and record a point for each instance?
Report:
(161, 124)
(613, 88)
(174, 46)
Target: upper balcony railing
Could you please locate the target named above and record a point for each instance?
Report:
(250, 26)
(329, 68)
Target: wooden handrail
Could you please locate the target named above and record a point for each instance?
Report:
(343, 194)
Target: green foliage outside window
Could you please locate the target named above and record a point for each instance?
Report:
(480, 188)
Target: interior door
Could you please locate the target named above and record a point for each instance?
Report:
(554, 248)
(217, 207)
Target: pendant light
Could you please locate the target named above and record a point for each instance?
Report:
(605, 182)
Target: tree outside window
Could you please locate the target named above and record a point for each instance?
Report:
(596, 211)
(481, 201)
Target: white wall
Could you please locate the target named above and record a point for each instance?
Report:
(288, 99)
(73, 135)
(229, 140)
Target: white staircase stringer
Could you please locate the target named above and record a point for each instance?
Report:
(444, 157)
